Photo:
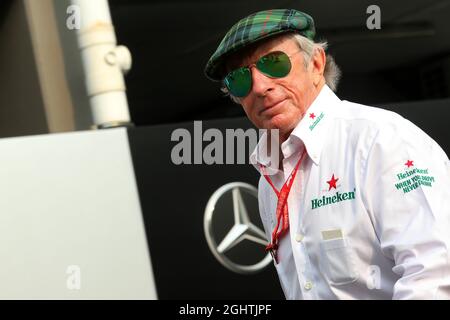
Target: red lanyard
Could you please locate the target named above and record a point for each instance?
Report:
(282, 207)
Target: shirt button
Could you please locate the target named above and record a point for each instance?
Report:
(308, 285)
(298, 237)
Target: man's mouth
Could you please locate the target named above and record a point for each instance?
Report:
(271, 107)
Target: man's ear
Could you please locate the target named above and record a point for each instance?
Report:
(318, 64)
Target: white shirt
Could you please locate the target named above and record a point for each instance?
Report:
(369, 208)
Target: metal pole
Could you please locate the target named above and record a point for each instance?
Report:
(104, 64)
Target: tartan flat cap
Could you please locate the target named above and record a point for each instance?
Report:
(255, 27)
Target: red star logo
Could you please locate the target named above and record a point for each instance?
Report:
(312, 115)
(409, 163)
(332, 182)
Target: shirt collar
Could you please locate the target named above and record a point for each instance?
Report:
(262, 156)
(311, 131)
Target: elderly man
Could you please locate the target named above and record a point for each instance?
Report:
(357, 206)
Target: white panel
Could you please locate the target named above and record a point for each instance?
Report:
(71, 199)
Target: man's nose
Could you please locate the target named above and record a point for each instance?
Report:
(261, 83)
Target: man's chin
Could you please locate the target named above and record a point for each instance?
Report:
(276, 122)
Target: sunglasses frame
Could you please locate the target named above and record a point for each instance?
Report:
(247, 69)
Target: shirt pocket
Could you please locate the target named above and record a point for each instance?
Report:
(338, 261)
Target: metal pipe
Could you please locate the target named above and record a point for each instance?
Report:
(104, 64)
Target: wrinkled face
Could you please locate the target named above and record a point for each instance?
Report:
(280, 103)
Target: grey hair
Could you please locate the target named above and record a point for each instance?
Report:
(332, 72)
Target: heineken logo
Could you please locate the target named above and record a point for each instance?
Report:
(313, 116)
(335, 198)
(332, 182)
(409, 163)
(411, 179)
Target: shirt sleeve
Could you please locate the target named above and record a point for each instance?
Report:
(406, 190)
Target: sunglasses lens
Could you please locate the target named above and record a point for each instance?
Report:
(275, 65)
(239, 82)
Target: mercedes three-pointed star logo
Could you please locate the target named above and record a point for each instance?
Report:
(243, 228)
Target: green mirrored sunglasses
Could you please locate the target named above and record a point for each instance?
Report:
(274, 65)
